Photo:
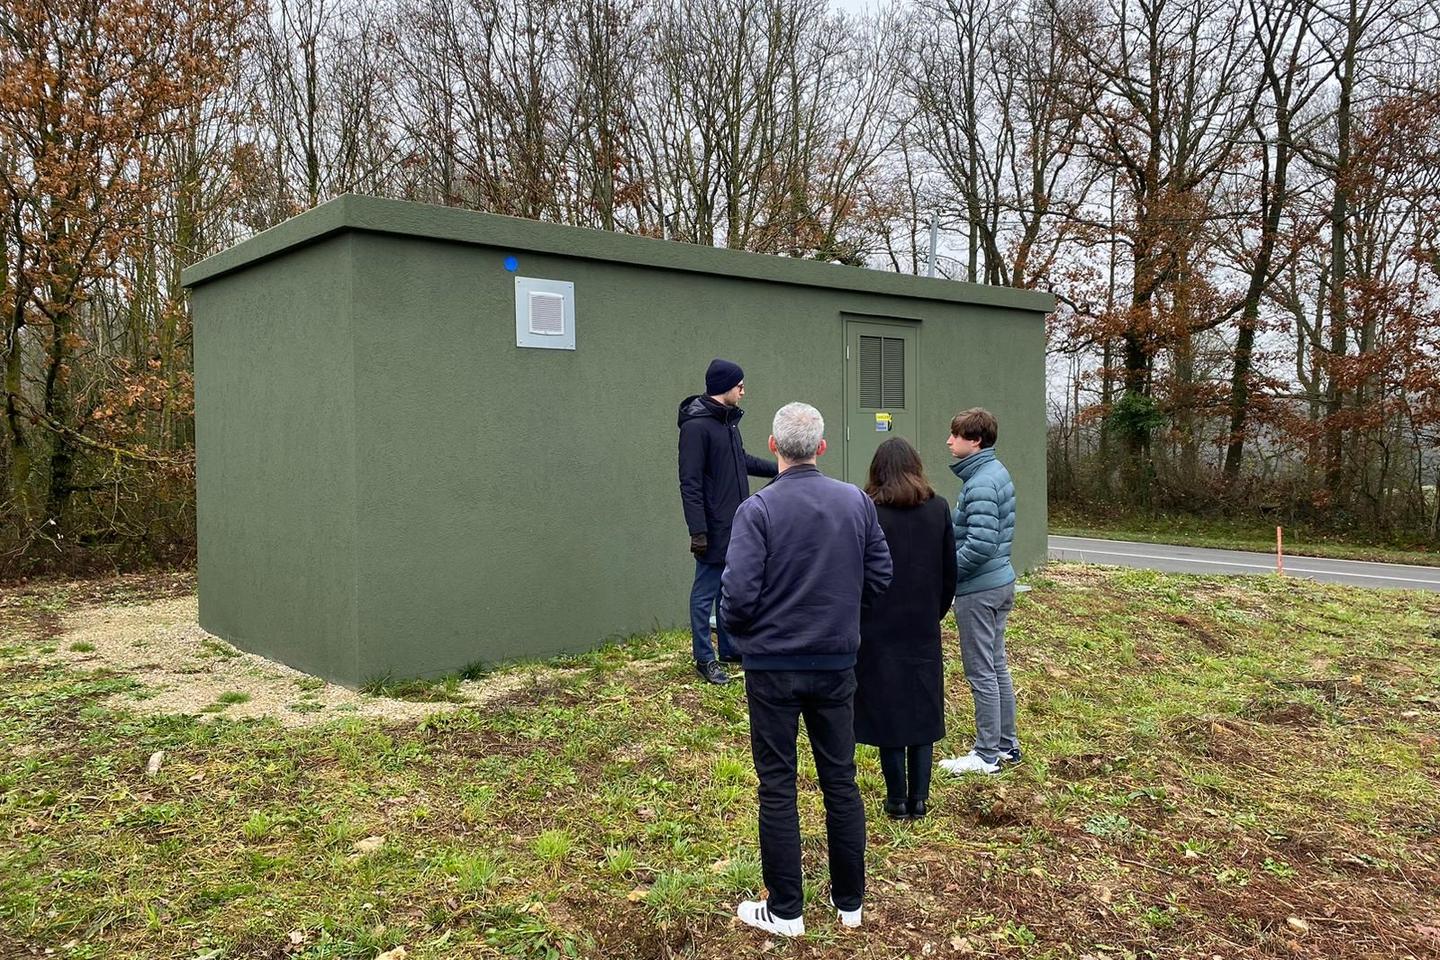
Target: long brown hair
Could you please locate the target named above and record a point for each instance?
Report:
(897, 477)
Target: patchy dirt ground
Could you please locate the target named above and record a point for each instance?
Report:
(146, 629)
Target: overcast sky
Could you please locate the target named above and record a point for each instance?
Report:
(854, 6)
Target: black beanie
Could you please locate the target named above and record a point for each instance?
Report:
(721, 377)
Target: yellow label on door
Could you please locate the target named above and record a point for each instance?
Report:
(882, 422)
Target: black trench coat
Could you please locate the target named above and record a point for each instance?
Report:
(900, 700)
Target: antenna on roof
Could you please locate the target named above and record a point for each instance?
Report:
(934, 240)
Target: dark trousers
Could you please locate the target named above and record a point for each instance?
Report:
(703, 594)
(897, 762)
(826, 699)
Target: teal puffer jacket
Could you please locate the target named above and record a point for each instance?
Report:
(984, 524)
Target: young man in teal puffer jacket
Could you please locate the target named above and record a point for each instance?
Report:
(984, 589)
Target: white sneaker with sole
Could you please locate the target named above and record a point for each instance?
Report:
(756, 913)
(850, 918)
(972, 762)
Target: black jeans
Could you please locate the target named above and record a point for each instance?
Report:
(894, 762)
(826, 699)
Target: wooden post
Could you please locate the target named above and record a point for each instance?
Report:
(1280, 551)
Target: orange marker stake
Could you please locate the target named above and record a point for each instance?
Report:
(1279, 551)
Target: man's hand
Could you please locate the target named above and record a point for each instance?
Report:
(699, 543)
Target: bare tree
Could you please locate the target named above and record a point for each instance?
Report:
(1290, 79)
(319, 83)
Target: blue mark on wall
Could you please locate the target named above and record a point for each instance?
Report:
(512, 264)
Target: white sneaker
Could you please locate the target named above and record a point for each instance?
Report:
(756, 913)
(850, 918)
(972, 762)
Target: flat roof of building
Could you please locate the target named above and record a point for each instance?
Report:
(353, 212)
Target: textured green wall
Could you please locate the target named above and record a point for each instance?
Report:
(275, 459)
(506, 502)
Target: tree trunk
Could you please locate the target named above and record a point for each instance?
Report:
(1272, 202)
(1339, 312)
(57, 412)
(20, 456)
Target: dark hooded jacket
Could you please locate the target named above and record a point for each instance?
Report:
(713, 470)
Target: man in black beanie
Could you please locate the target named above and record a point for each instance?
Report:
(713, 471)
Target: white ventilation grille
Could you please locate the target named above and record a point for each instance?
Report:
(547, 314)
(544, 313)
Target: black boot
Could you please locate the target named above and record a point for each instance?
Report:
(892, 765)
(918, 761)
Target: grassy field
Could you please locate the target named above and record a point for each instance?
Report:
(1232, 534)
(1215, 768)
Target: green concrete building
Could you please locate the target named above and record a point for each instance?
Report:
(428, 437)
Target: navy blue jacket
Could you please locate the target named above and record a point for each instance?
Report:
(713, 470)
(807, 551)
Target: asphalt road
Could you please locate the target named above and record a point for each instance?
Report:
(1174, 559)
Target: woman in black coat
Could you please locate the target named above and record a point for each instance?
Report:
(900, 700)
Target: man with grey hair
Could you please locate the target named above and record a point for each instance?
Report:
(805, 553)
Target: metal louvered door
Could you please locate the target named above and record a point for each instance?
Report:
(881, 389)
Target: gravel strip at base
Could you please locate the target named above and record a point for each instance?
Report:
(185, 670)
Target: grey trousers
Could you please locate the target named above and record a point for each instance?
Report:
(980, 618)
